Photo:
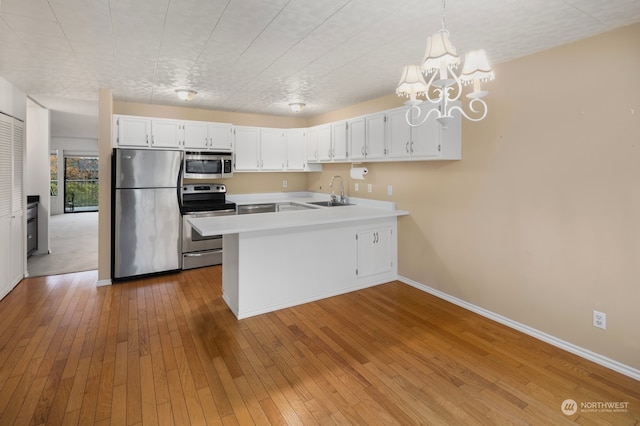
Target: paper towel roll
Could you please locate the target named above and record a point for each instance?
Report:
(359, 172)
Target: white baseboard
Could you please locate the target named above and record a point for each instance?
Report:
(100, 283)
(612, 364)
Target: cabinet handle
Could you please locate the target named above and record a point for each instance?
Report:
(362, 151)
(406, 147)
(412, 147)
(329, 153)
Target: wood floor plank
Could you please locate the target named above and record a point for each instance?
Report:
(167, 350)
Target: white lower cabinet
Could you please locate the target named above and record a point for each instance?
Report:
(270, 269)
(375, 251)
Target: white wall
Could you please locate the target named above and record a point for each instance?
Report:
(38, 127)
(87, 146)
(12, 100)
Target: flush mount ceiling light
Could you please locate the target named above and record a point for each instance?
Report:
(438, 67)
(296, 106)
(186, 94)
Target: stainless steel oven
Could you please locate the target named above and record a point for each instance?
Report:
(202, 200)
(207, 165)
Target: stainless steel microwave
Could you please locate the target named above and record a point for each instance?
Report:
(207, 165)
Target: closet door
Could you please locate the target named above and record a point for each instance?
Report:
(18, 224)
(12, 254)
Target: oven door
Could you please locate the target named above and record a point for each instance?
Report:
(193, 242)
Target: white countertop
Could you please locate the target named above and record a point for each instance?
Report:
(221, 225)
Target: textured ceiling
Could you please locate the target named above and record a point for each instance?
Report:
(257, 56)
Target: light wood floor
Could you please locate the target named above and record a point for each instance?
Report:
(166, 350)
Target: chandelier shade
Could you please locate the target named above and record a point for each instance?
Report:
(411, 83)
(439, 50)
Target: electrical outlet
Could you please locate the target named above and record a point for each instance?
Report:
(284, 183)
(356, 186)
(600, 320)
(369, 187)
(389, 190)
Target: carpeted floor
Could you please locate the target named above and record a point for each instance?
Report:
(73, 245)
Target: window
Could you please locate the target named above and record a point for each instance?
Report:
(53, 158)
(80, 183)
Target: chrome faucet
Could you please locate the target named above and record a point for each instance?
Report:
(333, 197)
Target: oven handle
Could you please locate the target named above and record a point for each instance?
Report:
(198, 254)
(214, 213)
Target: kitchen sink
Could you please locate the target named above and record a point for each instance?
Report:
(329, 203)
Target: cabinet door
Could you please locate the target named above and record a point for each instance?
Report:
(374, 252)
(295, 143)
(166, 133)
(376, 136)
(312, 145)
(324, 143)
(425, 139)
(133, 131)
(339, 141)
(357, 139)
(219, 136)
(398, 134)
(247, 148)
(196, 135)
(272, 149)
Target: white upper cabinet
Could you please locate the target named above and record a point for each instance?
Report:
(424, 138)
(357, 138)
(202, 135)
(426, 141)
(376, 136)
(312, 143)
(367, 137)
(398, 134)
(382, 136)
(295, 141)
(332, 142)
(267, 149)
(339, 151)
(196, 135)
(131, 131)
(272, 149)
(247, 148)
(166, 133)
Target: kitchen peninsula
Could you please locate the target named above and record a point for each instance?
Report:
(277, 260)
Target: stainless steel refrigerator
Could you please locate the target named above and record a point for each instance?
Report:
(146, 220)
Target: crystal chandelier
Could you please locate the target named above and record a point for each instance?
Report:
(444, 87)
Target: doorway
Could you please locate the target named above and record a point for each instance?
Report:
(80, 184)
